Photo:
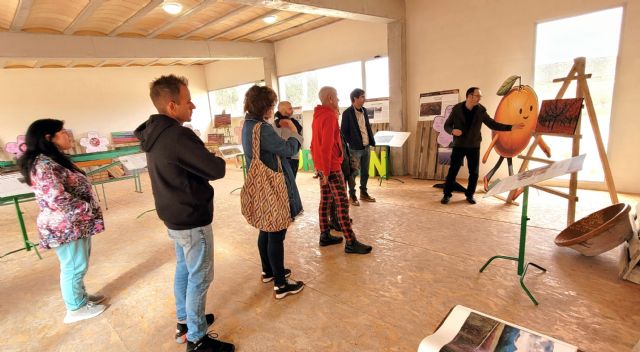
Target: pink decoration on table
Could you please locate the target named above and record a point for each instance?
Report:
(16, 148)
(94, 143)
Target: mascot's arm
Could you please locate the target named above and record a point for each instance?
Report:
(545, 148)
(493, 143)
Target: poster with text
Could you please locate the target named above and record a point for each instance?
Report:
(434, 103)
(377, 110)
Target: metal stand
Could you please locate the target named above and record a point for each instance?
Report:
(522, 266)
(387, 171)
(244, 171)
(27, 243)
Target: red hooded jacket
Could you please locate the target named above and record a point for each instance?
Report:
(326, 145)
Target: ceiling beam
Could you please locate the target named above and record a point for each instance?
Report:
(317, 19)
(22, 13)
(216, 20)
(255, 19)
(152, 62)
(183, 16)
(143, 11)
(269, 26)
(73, 47)
(86, 12)
(383, 11)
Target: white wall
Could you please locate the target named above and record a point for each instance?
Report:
(457, 44)
(231, 73)
(89, 99)
(334, 44)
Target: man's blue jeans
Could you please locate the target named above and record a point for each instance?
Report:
(194, 273)
(364, 155)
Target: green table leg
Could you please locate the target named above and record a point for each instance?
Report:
(25, 239)
(522, 266)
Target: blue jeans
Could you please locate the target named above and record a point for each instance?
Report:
(74, 262)
(364, 155)
(194, 273)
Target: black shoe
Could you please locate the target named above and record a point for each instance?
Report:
(181, 329)
(445, 199)
(209, 343)
(356, 247)
(267, 278)
(354, 200)
(289, 288)
(471, 200)
(326, 239)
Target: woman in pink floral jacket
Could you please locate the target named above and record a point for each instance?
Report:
(69, 213)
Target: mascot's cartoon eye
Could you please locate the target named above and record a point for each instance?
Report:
(521, 110)
(531, 108)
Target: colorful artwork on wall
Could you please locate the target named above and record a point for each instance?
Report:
(559, 116)
(222, 120)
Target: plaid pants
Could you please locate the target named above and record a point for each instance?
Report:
(334, 191)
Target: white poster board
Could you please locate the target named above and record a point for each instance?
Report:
(231, 151)
(540, 174)
(134, 161)
(434, 103)
(391, 138)
(13, 184)
(377, 110)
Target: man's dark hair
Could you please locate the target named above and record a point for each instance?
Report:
(258, 100)
(470, 91)
(166, 88)
(355, 94)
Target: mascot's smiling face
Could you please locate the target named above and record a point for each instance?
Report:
(520, 105)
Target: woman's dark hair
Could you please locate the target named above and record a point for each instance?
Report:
(258, 100)
(355, 94)
(37, 143)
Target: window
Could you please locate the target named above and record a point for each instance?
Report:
(376, 73)
(595, 36)
(231, 100)
(302, 89)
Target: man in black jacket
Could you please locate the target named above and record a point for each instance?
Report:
(180, 168)
(356, 129)
(464, 124)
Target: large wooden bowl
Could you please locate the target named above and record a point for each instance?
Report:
(599, 232)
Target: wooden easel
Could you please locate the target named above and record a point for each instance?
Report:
(582, 91)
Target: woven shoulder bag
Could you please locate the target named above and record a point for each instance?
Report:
(264, 196)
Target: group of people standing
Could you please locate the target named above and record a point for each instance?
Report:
(180, 168)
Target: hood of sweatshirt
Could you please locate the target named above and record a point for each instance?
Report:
(149, 131)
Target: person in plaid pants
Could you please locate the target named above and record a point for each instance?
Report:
(327, 154)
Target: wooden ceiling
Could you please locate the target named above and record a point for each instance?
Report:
(199, 20)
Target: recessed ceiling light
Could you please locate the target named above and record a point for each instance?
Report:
(270, 19)
(172, 7)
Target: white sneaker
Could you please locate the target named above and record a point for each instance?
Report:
(90, 310)
(95, 298)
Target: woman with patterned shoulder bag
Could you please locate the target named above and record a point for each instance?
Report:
(269, 197)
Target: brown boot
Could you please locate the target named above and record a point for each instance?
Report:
(365, 197)
(354, 200)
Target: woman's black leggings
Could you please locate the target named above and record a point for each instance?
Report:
(271, 247)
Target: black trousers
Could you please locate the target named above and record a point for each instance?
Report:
(294, 166)
(271, 247)
(473, 163)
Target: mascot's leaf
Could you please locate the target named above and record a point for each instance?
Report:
(506, 85)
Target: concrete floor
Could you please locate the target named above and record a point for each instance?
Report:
(425, 260)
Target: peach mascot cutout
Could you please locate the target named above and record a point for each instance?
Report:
(518, 104)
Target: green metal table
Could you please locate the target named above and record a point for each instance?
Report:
(16, 200)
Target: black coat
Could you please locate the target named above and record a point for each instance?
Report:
(351, 131)
(180, 168)
(471, 136)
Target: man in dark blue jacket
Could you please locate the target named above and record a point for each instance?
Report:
(180, 168)
(465, 123)
(356, 129)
